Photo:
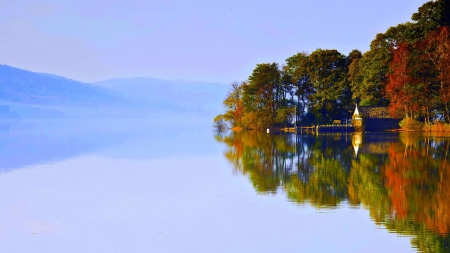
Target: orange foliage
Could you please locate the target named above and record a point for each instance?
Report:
(415, 189)
(397, 182)
(398, 82)
(436, 47)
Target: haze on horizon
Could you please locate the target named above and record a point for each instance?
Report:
(211, 41)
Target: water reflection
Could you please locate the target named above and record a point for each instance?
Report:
(402, 179)
(25, 143)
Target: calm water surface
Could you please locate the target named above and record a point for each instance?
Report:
(173, 185)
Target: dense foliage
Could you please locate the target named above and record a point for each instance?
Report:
(407, 68)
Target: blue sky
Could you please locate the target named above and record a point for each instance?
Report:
(213, 41)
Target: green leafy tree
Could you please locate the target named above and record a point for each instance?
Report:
(429, 17)
(261, 95)
(297, 66)
(331, 94)
(443, 12)
(368, 74)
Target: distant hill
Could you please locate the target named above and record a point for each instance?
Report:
(172, 95)
(26, 87)
(27, 94)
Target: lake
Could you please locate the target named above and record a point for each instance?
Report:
(176, 185)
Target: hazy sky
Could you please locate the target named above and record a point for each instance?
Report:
(216, 41)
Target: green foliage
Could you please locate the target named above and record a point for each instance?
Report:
(321, 82)
(407, 68)
(354, 55)
(284, 116)
(367, 75)
(443, 12)
(328, 73)
(428, 16)
(297, 66)
(262, 94)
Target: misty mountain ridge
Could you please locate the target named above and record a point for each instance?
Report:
(26, 87)
(163, 93)
(41, 95)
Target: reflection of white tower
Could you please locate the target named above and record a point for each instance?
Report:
(356, 141)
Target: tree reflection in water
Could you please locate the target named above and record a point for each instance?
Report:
(402, 179)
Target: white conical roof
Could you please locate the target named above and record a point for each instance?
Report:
(356, 110)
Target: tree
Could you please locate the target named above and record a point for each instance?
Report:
(287, 87)
(234, 105)
(436, 49)
(443, 12)
(368, 79)
(368, 76)
(331, 96)
(428, 17)
(260, 94)
(297, 66)
(400, 83)
(355, 76)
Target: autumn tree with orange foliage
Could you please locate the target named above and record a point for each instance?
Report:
(436, 49)
(419, 82)
(400, 87)
(234, 105)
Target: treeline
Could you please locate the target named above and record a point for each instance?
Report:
(407, 68)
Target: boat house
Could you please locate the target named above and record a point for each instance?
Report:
(373, 118)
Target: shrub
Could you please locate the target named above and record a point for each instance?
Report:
(437, 127)
(409, 124)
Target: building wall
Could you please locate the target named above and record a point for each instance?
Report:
(381, 124)
(357, 123)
